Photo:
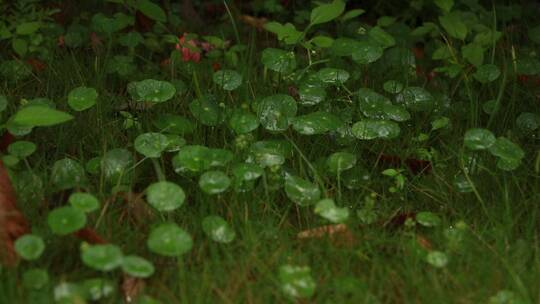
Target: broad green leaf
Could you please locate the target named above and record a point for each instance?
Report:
(286, 32)
(228, 80)
(85, 202)
(479, 139)
(214, 182)
(35, 278)
(218, 229)
(340, 161)
(301, 191)
(27, 28)
(131, 39)
(445, 5)
(440, 123)
(381, 37)
(454, 25)
(165, 196)
(367, 52)
(137, 266)
(322, 41)
(428, 219)
(352, 14)
(103, 257)
(316, 123)
(20, 46)
(487, 73)
(29, 246)
(327, 12)
(40, 116)
(370, 129)
(506, 149)
(473, 53)
(276, 112)
(279, 60)
(66, 220)
(327, 209)
(151, 144)
(242, 122)
(219, 157)
(169, 240)
(151, 10)
(296, 281)
(22, 149)
(344, 47)
(82, 98)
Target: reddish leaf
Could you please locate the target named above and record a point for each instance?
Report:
(13, 224)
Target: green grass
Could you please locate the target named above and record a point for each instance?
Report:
(499, 249)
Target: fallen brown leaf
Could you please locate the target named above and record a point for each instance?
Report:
(13, 224)
(131, 288)
(339, 233)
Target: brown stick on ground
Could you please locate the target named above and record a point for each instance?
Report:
(13, 224)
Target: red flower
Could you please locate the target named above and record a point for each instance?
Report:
(188, 49)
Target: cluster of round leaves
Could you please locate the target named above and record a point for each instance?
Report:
(508, 153)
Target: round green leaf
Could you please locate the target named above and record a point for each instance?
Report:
(367, 52)
(68, 173)
(218, 229)
(227, 79)
(115, 165)
(82, 98)
(206, 110)
(505, 149)
(151, 144)
(22, 149)
(333, 76)
(175, 124)
(151, 90)
(327, 209)
(296, 281)
(192, 159)
(416, 99)
(340, 161)
(311, 95)
(381, 37)
(428, 219)
(345, 46)
(96, 289)
(278, 60)
(86, 202)
(301, 191)
(526, 121)
(479, 139)
(487, 73)
(29, 246)
(316, 123)
(437, 259)
(137, 266)
(169, 240)
(393, 86)
(104, 257)
(165, 196)
(66, 220)
(242, 122)
(275, 112)
(370, 129)
(219, 157)
(35, 278)
(214, 182)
